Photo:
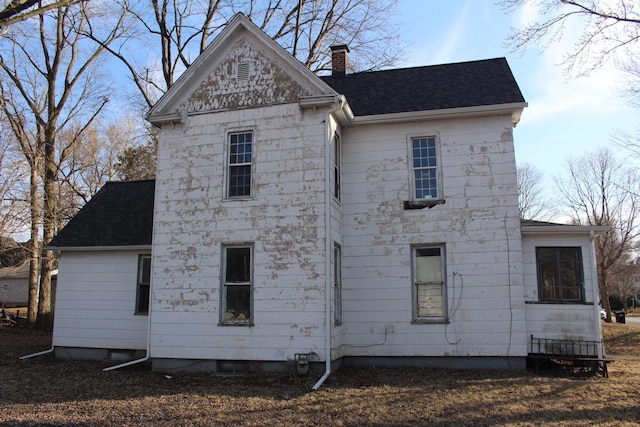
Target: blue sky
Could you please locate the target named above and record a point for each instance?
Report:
(565, 117)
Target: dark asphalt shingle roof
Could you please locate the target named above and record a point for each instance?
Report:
(436, 87)
(120, 214)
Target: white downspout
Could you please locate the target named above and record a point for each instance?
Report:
(37, 354)
(328, 246)
(146, 357)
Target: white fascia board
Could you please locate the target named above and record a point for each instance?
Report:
(514, 109)
(97, 248)
(564, 229)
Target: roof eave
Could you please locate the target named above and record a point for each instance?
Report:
(564, 229)
(513, 109)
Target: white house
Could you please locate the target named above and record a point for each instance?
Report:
(366, 218)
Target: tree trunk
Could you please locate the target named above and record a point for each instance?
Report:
(45, 314)
(604, 293)
(34, 262)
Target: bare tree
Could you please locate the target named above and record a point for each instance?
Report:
(605, 29)
(175, 32)
(14, 209)
(21, 10)
(531, 200)
(51, 80)
(599, 190)
(625, 281)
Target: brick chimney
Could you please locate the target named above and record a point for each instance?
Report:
(339, 59)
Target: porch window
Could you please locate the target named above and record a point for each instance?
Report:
(429, 285)
(239, 175)
(143, 284)
(560, 274)
(237, 285)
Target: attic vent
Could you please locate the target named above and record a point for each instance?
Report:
(243, 71)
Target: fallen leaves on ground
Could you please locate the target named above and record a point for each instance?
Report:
(47, 391)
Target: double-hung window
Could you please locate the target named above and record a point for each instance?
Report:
(560, 274)
(429, 285)
(143, 286)
(425, 168)
(240, 157)
(237, 284)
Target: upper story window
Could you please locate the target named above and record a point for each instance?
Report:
(240, 155)
(337, 152)
(425, 163)
(425, 173)
(560, 274)
(429, 284)
(143, 286)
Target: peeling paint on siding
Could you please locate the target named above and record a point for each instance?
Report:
(267, 84)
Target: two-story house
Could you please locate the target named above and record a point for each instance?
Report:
(365, 218)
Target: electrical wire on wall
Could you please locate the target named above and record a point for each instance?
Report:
(506, 233)
(386, 332)
(453, 309)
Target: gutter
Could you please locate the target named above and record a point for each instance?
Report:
(328, 246)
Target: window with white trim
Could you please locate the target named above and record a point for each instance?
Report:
(240, 157)
(560, 274)
(337, 283)
(425, 168)
(143, 286)
(237, 284)
(429, 291)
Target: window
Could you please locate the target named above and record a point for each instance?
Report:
(559, 274)
(237, 277)
(425, 163)
(336, 166)
(240, 148)
(429, 286)
(337, 283)
(143, 285)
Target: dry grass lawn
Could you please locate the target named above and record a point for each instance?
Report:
(46, 391)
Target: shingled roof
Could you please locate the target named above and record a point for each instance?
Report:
(464, 84)
(120, 214)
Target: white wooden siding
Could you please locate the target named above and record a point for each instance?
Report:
(478, 224)
(95, 301)
(284, 219)
(561, 321)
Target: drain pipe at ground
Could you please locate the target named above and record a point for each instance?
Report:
(328, 246)
(37, 354)
(146, 357)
